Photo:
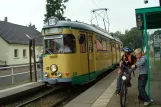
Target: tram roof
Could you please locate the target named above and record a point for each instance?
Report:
(82, 26)
(117, 39)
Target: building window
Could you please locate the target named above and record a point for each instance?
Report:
(24, 52)
(16, 53)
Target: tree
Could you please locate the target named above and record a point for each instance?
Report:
(132, 38)
(157, 32)
(32, 26)
(55, 8)
(116, 34)
(135, 38)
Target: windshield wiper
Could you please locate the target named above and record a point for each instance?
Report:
(49, 51)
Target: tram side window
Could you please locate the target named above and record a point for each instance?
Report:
(82, 42)
(104, 45)
(108, 46)
(113, 46)
(99, 46)
(116, 47)
(119, 47)
(69, 43)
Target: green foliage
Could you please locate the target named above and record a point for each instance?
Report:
(132, 38)
(157, 32)
(55, 8)
(32, 26)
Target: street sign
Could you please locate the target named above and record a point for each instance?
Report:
(157, 40)
(139, 21)
(156, 44)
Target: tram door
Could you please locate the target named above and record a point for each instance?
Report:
(90, 55)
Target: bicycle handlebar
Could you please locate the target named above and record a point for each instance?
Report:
(128, 69)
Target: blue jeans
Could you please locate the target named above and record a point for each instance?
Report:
(118, 84)
(142, 80)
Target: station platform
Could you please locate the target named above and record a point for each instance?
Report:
(9, 94)
(102, 94)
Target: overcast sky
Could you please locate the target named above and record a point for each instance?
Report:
(121, 12)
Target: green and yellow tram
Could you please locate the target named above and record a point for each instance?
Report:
(76, 52)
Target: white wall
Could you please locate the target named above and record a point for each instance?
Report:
(3, 50)
(20, 59)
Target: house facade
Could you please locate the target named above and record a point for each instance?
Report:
(14, 48)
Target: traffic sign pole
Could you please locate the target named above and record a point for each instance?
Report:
(154, 49)
(147, 53)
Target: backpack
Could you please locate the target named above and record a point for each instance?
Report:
(129, 60)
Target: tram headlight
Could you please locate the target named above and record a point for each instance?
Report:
(53, 68)
(45, 74)
(59, 74)
(123, 77)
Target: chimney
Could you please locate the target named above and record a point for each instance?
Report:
(6, 19)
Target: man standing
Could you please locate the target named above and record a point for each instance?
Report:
(143, 76)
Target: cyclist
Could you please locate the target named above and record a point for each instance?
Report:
(127, 60)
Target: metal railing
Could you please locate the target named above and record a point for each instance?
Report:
(15, 74)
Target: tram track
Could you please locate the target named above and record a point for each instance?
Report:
(32, 97)
(38, 97)
(56, 96)
(50, 97)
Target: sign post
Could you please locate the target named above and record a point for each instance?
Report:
(147, 53)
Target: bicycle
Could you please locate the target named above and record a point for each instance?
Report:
(124, 81)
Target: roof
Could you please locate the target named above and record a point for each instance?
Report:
(153, 17)
(82, 26)
(16, 34)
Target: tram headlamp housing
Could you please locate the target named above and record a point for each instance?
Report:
(59, 74)
(45, 74)
(53, 68)
(123, 77)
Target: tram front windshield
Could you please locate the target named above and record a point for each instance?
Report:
(60, 44)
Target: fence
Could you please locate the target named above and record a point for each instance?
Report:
(12, 74)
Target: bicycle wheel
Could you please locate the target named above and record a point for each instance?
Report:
(123, 94)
